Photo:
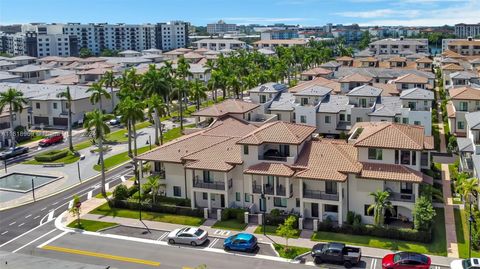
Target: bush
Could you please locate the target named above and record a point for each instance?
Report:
(173, 201)
(176, 210)
(276, 220)
(51, 156)
(233, 213)
(22, 134)
(423, 214)
(350, 217)
(132, 190)
(120, 192)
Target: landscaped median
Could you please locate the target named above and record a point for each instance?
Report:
(64, 156)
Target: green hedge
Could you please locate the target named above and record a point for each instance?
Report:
(177, 210)
(386, 232)
(275, 220)
(233, 213)
(51, 156)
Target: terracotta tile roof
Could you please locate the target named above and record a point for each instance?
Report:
(344, 58)
(192, 55)
(229, 106)
(452, 67)
(229, 126)
(388, 89)
(393, 172)
(429, 142)
(279, 132)
(368, 59)
(424, 60)
(219, 157)
(273, 169)
(465, 43)
(389, 135)
(397, 59)
(317, 71)
(318, 81)
(450, 109)
(451, 54)
(71, 79)
(356, 77)
(282, 42)
(411, 78)
(464, 93)
(327, 159)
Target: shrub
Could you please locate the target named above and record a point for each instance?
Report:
(132, 190)
(173, 201)
(277, 220)
(350, 217)
(120, 192)
(233, 213)
(176, 210)
(423, 214)
(275, 212)
(51, 155)
(22, 134)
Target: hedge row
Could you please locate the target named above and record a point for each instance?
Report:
(176, 210)
(51, 156)
(275, 220)
(233, 213)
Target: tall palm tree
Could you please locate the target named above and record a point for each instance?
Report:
(95, 124)
(97, 92)
(380, 205)
(468, 187)
(168, 73)
(153, 183)
(109, 81)
(197, 91)
(183, 71)
(66, 94)
(235, 86)
(14, 100)
(157, 108)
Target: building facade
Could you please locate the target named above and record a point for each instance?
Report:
(463, 30)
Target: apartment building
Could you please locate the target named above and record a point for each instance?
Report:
(220, 44)
(463, 30)
(273, 43)
(234, 164)
(171, 35)
(276, 34)
(463, 101)
(402, 45)
(465, 47)
(221, 27)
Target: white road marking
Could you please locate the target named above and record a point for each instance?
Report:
(12, 223)
(70, 204)
(107, 185)
(123, 178)
(373, 265)
(4, 233)
(89, 195)
(27, 232)
(52, 239)
(214, 241)
(162, 236)
(35, 240)
(50, 215)
(55, 203)
(28, 216)
(43, 209)
(37, 217)
(21, 224)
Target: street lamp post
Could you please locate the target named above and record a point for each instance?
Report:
(263, 208)
(33, 188)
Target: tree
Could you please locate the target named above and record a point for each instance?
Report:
(110, 82)
(430, 192)
(14, 101)
(157, 109)
(153, 183)
(95, 124)
(381, 204)
(75, 210)
(108, 53)
(197, 92)
(287, 229)
(85, 53)
(452, 144)
(468, 187)
(97, 91)
(364, 40)
(66, 94)
(423, 214)
(183, 70)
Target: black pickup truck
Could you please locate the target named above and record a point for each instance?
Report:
(336, 253)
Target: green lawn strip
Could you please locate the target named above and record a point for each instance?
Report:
(231, 224)
(118, 159)
(91, 225)
(100, 196)
(272, 230)
(291, 252)
(33, 139)
(70, 158)
(461, 229)
(105, 210)
(436, 247)
(82, 145)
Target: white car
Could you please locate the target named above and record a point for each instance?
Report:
(188, 235)
(472, 263)
(115, 121)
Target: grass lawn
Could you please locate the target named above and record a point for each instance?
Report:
(119, 158)
(272, 230)
(82, 145)
(292, 251)
(100, 196)
(33, 139)
(231, 224)
(461, 229)
(438, 246)
(91, 225)
(105, 210)
(70, 158)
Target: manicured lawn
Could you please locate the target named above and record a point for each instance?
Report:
(461, 229)
(119, 158)
(292, 251)
(82, 145)
(91, 225)
(33, 139)
(272, 230)
(70, 158)
(232, 224)
(100, 196)
(105, 210)
(438, 246)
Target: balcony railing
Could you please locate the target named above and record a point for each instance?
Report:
(216, 185)
(273, 158)
(266, 189)
(313, 194)
(402, 197)
(257, 188)
(160, 173)
(281, 191)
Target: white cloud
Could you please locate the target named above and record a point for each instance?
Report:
(380, 13)
(261, 20)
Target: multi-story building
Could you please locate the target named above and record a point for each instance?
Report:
(392, 46)
(463, 100)
(464, 30)
(279, 34)
(465, 47)
(221, 27)
(171, 35)
(220, 44)
(273, 43)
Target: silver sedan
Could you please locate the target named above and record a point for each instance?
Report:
(188, 235)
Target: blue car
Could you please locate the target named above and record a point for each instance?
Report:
(241, 242)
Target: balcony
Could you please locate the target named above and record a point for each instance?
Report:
(402, 197)
(281, 191)
(160, 173)
(267, 189)
(273, 155)
(321, 195)
(215, 185)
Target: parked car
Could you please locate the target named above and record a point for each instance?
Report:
(336, 253)
(406, 260)
(51, 139)
(241, 242)
(192, 236)
(115, 121)
(12, 152)
(472, 263)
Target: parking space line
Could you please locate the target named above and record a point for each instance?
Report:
(37, 217)
(43, 209)
(55, 203)
(214, 241)
(21, 224)
(162, 236)
(12, 223)
(4, 233)
(28, 216)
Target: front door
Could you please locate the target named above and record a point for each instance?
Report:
(222, 200)
(314, 209)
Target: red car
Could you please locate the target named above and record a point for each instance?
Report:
(51, 139)
(406, 260)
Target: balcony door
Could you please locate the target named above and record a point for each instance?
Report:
(207, 176)
(284, 150)
(330, 187)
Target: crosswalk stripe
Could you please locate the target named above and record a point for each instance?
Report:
(89, 195)
(162, 236)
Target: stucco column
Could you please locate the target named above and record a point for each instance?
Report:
(192, 200)
(226, 189)
(209, 201)
(320, 211)
(300, 182)
(340, 206)
(275, 182)
(287, 186)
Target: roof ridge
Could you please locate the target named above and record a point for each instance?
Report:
(369, 135)
(405, 134)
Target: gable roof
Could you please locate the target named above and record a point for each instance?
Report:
(229, 106)
(317, 71)
(424, 60)
(393, 172)
(473, 120)
(464, 93)
(452, 67)
(365, 90)
(412, 78)
(417, 94)
(278, 132)
(318, 81)
(274, 169)
(356, 78)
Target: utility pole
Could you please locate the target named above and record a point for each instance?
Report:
(78, 169)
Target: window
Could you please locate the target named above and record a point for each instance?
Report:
(463, 106)
(417, 122)
(304, 101)
(297, 202)
(397, 119)
(406, 188)
(349, 117)
(263, 99)
(342, 117)
(365, 211)
(279, 116)
(237, 197)
(359, 119)
(54, 105)
(412, 105)
(331, 187)
(245, 149)
(327, 119)
(425, 103)
(405, 120)
(303, 119)
(247, 198)
(177, 191)
(331, 208)
(279, 202)
(405, 157)
(205, 196)
(414, 158)
(374, 154)
(460, 125)
(362, 102)
(396, 157)
(37, 105)
(207, 176)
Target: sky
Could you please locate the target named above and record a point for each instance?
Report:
(201, 12)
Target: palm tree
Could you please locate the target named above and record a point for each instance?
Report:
(235, 85)
(183, 71)
(66, 94)
(197, 91)
(158, 109)
(97, 91)
(380, 206)
(168, 73)
(109, 81)
(95, 123)
(468, 188)
(153, 183)
(14, 100)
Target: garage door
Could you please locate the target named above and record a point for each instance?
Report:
(60, 121)
(40, 120)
